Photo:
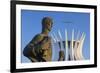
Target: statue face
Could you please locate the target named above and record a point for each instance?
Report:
(48, 26)
(47, 23)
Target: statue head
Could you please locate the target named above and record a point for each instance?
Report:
(47, 24)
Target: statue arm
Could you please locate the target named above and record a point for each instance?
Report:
(29, 49)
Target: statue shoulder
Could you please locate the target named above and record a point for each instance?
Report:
(37, 38)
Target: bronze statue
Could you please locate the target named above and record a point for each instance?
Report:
(39, 49)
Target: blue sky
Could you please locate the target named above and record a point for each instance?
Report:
(31, 25)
